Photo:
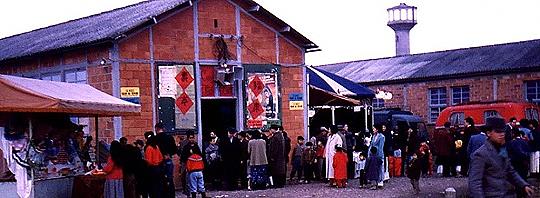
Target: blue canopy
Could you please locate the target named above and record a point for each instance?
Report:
(336, 84)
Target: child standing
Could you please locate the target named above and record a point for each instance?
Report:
(340, 167)
(414, 170)
(360, 163)
(309, 161)
(373, 167)
(195, 167)
(297, 158)
(320, 172)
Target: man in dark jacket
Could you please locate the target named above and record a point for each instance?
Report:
(277, 157)
(445, 149)
(167, 146)
(230, 153)
(491, 173)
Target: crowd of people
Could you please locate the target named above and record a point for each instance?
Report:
(258, 159)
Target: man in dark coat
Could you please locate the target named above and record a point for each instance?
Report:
(277, 157)
(491, 173)
(445, 149)
(230, 153)
(167, 146)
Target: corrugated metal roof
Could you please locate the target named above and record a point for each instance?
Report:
(522, 55)
(106, 26)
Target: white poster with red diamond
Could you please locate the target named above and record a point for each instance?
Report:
(262, 99)
(185, 114)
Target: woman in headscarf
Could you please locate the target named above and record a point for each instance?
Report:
(333, 140)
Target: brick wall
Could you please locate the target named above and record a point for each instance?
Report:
(137, 75)
(173, 37)
(291, 82)
(509, 87)
(259, 44)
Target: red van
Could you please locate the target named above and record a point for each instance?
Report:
(479, 111)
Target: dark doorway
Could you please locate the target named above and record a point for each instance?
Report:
(217, 115)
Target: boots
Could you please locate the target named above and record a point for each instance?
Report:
(193, 195)
(203, 195)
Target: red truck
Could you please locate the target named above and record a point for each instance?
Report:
(479, 111)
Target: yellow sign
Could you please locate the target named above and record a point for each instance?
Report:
(296, 105)
(129, 92)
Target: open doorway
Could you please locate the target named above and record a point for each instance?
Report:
(217, 115)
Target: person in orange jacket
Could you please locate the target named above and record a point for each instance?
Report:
(340, 167)
(153, 158)
(195, 167)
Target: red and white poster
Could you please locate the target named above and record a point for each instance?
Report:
(178, 82)
(262, 99)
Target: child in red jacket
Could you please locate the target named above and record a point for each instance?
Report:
(195, 167)
(340, 167)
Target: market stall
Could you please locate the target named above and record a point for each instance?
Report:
(39, 140)
(329, 93)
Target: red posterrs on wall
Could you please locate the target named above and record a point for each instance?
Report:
(262, 99)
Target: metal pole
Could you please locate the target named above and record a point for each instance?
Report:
(333, 115)
(97, 141)
(365, 117)
(30, 134)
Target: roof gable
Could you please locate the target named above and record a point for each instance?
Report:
(524, 55)
(108, 26)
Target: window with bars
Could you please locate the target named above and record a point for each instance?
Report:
(76, 76)
(378, 103)
(437, 102)
(460, 95)
(56, 76)
(532, 91)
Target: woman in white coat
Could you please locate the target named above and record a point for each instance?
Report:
(333, 140)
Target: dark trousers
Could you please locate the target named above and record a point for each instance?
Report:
(156, 182)
(230, 176)
(308, 172)
(363, 179)
(243, 174)
(167, 167)
(319, 168)
(296, 167)
(350, 164)
(449, 168)
(279, 180)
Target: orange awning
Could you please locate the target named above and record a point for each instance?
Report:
(27, 95)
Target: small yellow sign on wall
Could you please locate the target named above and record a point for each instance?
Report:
(129, 92)
(296, 105)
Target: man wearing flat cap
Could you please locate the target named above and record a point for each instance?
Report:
(491, 173)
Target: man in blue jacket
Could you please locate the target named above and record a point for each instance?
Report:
(491, 173)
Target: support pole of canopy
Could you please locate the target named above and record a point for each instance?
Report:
(97, 142)
(333, 109)
(365, 117)
(30, 136)
(306, 107)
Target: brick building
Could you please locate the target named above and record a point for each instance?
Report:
(427, 83)
(194, 65)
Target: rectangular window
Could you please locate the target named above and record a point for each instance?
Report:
(378, 103)
(76, 76)
(437, 102)
(531, 114)
(460, 95)
(457, 118)
(532, 91)
(52, 77)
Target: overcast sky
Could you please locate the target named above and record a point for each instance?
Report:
(345, 30)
